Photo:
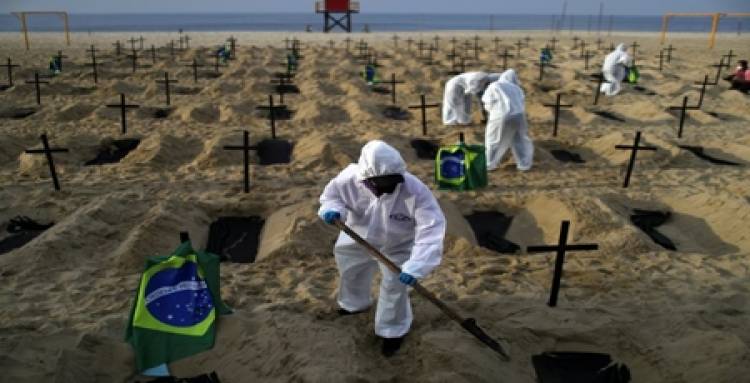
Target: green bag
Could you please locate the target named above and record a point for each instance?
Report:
(633, 75)
(461, 167)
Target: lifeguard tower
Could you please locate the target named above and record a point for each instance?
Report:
(330, 8)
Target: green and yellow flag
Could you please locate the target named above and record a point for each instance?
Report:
(175, 309)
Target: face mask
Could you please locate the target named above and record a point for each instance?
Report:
(383, 184)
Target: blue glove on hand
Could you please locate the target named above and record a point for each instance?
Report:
(329, 216)
(407, 279)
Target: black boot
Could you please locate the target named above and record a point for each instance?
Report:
(344, 312)
(391, 345)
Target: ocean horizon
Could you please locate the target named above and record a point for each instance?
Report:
(376, 22)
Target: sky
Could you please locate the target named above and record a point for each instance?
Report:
(617, 7)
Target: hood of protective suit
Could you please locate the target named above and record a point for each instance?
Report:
(621, 47)
(510, 76)
(379, 159)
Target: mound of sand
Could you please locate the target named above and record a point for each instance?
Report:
(204, 113)
(605, 147)
(320, 113)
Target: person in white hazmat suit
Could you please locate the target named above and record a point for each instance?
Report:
(504, 100)
(459, 91)
(615, 69)
(395, 212)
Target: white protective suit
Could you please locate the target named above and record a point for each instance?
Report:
(406, 225)
(506, 124)
(614, 70)
(458, 96)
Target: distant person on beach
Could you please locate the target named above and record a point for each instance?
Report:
(458, 96)
(506, 126)
(740, 79)
(224, 53)
(396, 213)
(55, 65)
(615, 69)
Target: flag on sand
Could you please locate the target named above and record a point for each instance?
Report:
(175, 309)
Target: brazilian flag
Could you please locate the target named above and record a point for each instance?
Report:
(461, 167)
(176, 305)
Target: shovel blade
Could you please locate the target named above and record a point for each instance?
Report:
(470, 325)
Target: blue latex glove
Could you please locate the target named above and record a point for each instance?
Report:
(407, 279)
(329, 216)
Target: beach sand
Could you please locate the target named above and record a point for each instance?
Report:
(670, 316)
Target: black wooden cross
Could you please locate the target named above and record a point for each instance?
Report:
(634, 46)
(599, 42)
(50, 161)
(458, 69)
(166, 83)
(153, 53)
(132, 42)
(232, 46)
(171, 48)
(586, 57)
(561, 248)
(195, 67)
(518, 45)
(123, 108)
(187, 41)
(729, 58)
(331, 44)
(272, 113)
(140, 42)
(718, 67)
(134, 58)
(683, 113)
(37, 84)
(217, 63)
(60, 56)
(424, 106)
(557, 106)
(246, 148)
(283, 81)
(575, 42)
(9, 66)
(421, 46)
(598, 90)
(476, 45)
(118, 48)
(505, 56)
(393, 83)
(611, 47)
(93, 63)
(634, 150)
(362, 48)
(554, 42)
(497, 41)
(703, 91)
(661, 60)
(395, 41)
(541, 66)
(669, 50)
(348, 42)
(583, 48)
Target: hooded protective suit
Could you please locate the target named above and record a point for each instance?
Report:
(506, 125)
(457, 96)
(614, 70)
(407, 226)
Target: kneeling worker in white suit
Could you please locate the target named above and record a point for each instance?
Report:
(506, 126)
(459, 91)
(396, 213)
(615, 69)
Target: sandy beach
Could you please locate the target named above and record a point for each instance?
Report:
(671, 316)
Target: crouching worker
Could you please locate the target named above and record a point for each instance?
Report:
(55, 65)
(615, 70)
(396, 213)
(224, 53)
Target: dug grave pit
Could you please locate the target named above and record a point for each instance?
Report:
(113, 151)
(395, 113)
(235, 239)
(425, 149)
(20, 230)
(16, 113)
(700, 152)
(153, 112)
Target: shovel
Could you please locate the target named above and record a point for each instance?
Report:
(469, 324)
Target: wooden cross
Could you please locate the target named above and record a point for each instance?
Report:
(703, 91)
(331, 44)
(661, 60)
(599, 43)
(37, 84)
(395, 41)
(171, 48)
(505, 56)
(246, 148)
(118, 47)
(409, 41)
(232, 46)
(527, 39)
(93, 63)
(561, 248)
(461, 68)
(424, 105)
(283, 82)
(60, 56)
(583, 48)
(393, 83)
(634, 46)
(272, 113)
(669, 50)
(187, 42)
(541, 65)
(132, 42)
(497, 41)
(140, 42)
(611, 46)
(518, 45)
(421, 46)
(9, 66)
(575, 42)
(134, 57)
(436, 41)
(153, 54)
(554, 41)
(634, 151)
(599, 81)
(683, 112)
(557, 106)
(166, 83)
(195, 67)
(586, 56)
(123, 108)
(729, 58)
(348, 42)
(50, 161)
(217, 63)
(718, 67)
